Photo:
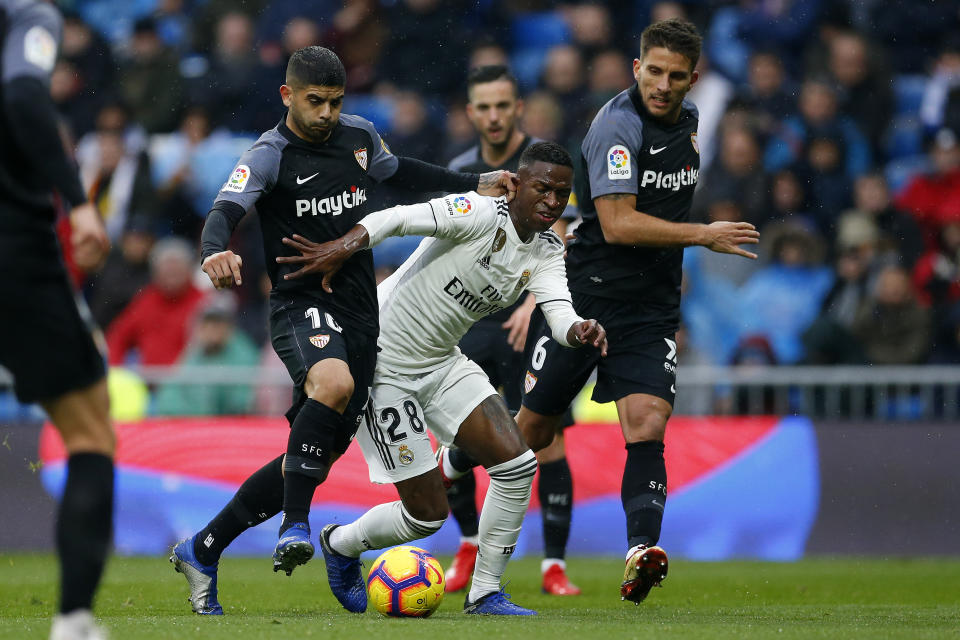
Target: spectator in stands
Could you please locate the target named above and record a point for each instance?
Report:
(767, 93)
(941, 96)
(214, 341)
(818, 118)
(864, 85)
(891, 325)
(829, 339)
(92, 65)
(737, 174)
(125, 273)
(564, 77)
(900, 236)
(937, 274)
(934, 198)
(784, 297)
(487, 54)
(156, 322)
(591, 27)
(542, 116)
(117, 180)
(609, 75)
(357, 34)
(821, 168)
(419, 29)
(912, 31)
(711, 94)
(229, 89)
(150, 79)
(787, 201)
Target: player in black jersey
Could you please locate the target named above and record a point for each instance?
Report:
(307, 176)
(44, 341)
(496, 344)
(640, 164)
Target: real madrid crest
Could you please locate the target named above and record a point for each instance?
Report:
(693, 141)
(405, 455)
(320, 340)
(524, 279)
(361, 156)
(498, 241)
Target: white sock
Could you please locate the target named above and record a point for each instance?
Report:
(633, 550)
(500, 520)
(450, 471)
(546, 563)
(382, 526)
(474, 540)
(76, 624)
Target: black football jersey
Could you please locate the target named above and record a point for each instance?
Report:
(318, 191)
(626, 150)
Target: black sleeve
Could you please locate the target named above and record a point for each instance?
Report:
(221, 221)
(33, 123)
(416, 175)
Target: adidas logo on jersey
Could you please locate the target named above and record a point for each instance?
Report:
(673, 181)
(333, 205)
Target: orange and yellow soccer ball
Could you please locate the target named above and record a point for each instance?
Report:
(405, 582)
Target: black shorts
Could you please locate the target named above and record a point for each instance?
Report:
(303, 333)
(636, 362)
(44, 340)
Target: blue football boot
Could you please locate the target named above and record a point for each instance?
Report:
(201, 578)
(343, 574)
(496, 604)
(293, 548)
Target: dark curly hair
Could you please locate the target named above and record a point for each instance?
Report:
(549, 152)
(676, 35)
(316, 66)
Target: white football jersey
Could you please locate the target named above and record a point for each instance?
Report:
(474, 264)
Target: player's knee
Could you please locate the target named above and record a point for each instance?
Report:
(427, 508)
(333, 390)
(537, 430)
(649, 425)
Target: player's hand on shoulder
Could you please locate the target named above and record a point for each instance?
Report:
(88, 238)
(726, 237)
(223, 269)
(498, 183)
(589, 332)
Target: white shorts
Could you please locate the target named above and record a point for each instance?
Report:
(402, 406)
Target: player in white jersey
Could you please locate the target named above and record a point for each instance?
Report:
(482, 254)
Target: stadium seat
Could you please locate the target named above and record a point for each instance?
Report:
(533, 35)
(377, 110)
(903, 137)
(908, 90)
(899, 172)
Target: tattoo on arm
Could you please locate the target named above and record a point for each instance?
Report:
(488, 180)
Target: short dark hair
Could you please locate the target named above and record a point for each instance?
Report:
(490, 73)
(549, 152)
(674, 34)
(317, 66)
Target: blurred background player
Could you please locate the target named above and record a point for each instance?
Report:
(44, 340)
(640, 161)
(496, 344)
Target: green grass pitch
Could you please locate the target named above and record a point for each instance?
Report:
(819, 598)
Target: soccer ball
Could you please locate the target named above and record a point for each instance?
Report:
(405, 582)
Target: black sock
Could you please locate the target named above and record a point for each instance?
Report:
(84, 524)
(460, 461)
(462, 496)
(258, 499)
(555, 491)
(315, 426)
(644, 491)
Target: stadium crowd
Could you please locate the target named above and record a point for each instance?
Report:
(831, 125)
